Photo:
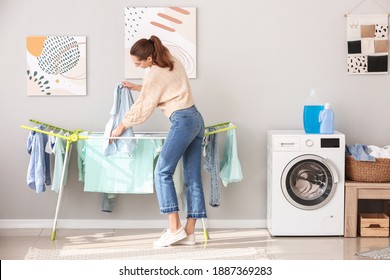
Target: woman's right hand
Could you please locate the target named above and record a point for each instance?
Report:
(117, 132)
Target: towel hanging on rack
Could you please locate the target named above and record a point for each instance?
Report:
(120, 173)
(230, 164)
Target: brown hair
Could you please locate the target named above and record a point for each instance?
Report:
(153, 47)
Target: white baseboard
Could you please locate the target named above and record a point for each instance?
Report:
(95, 223)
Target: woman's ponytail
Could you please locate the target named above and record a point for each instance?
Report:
(153, 47)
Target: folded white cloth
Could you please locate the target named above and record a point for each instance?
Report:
(379, 152)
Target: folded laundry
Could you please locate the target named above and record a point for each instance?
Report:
(359, 152)
(379, 152)
(367, 152)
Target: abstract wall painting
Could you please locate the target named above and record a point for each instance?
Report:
(56, 65)
(368, 43)
(175, 26)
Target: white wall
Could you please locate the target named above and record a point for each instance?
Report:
(257, 61)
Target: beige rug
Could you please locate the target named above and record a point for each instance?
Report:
(379, 254)
(177, 253)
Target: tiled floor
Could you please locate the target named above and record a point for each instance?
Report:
(14, 243)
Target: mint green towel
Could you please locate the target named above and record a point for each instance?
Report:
(120, 173)
(230, 164)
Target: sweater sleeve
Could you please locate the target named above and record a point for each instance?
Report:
(143, 108)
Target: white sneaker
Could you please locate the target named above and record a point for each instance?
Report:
(168, 238)
(189, 240)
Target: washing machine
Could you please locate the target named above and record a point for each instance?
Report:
(305, 183)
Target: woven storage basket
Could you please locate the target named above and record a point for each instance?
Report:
(367, 171)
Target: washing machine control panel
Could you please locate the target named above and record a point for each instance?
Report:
(316, 143)
(302, 142)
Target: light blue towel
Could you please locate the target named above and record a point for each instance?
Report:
(123, 100)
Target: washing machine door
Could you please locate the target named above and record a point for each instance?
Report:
(309, 181)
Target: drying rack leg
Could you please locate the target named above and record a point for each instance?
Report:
(66, 158)
(205, 233)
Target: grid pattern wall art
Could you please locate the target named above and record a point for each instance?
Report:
(368, 43)
(56, 65)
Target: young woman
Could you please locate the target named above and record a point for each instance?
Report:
(167, 87)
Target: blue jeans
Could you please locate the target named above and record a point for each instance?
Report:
(211, 166)
(184, 140)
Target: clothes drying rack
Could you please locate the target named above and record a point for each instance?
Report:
(74, 136)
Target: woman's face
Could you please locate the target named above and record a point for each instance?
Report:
(142, 63)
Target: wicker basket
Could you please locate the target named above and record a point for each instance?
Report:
(367, 171)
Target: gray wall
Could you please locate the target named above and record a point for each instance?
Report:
(257, 61)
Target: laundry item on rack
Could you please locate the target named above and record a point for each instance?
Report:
(80, 145)
(59, 150)
(123, 100)
(38, 172)
(211, 165)
(108, 202)
(228, 169)
(51, 140)
(230, 164)
(120, 173)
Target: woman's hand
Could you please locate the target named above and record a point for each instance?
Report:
(131, 86)
(117, 132)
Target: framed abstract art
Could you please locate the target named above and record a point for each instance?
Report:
(175, 26)
(56, 65)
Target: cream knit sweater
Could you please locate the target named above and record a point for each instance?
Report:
(161, 88)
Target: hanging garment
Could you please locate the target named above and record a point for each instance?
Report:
(108, 202)
(120, 173)
(230, 163)
(109, 199)
(38, 172)
(51, 140)
(123, 100)
(59, 151)
(211, 165)
(80, 145)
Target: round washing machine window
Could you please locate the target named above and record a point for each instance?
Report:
(309, 182)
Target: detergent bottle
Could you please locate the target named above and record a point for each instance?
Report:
(311, 113)
(327, 120)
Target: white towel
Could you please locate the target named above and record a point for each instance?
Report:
(379, 152)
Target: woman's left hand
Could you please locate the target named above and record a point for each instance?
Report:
(132, 86)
